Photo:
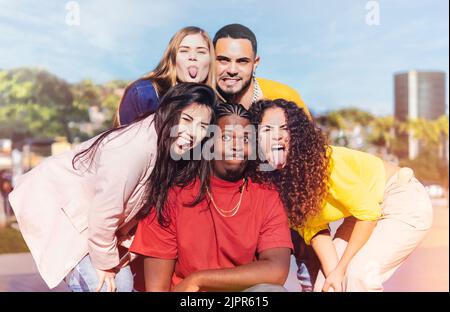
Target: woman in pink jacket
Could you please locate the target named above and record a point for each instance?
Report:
(76, 210)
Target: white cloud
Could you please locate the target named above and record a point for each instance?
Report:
(324, 49)
(37, 34)
(105, 23)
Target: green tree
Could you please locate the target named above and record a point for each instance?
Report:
(85, 94)
(342, 122)
(382, 132)
(30, 120)
(430, 133)
(34, 102)
(429, 165)
(37, 104)
(106, 97)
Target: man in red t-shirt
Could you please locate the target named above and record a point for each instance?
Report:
(236, 239)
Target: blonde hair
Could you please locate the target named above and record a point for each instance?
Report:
(164, 76)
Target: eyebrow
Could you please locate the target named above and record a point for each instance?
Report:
(269, 126)
(188, 47)
(189, 116)
(225, 58)
(221, 57)
(245, 132)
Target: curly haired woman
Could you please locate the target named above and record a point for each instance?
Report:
(386, 210)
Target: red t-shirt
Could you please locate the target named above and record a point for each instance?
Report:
(200, 238)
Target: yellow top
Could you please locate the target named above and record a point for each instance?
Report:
(357, 182)
(273, 90)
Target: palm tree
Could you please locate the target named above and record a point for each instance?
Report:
(442, 124)
(340, 124)
(383, 132)
(429, 133)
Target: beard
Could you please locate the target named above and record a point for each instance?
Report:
(235, 174)
(232, 97)
(231, 174)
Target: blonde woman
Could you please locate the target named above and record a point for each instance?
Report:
(189, 57)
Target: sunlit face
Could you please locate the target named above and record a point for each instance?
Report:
(274, 137)
(235, 64)
(192, 128)
(232, 146)
(193, 59)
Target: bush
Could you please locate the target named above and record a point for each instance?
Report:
(11, 241)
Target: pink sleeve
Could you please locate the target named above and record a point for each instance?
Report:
(120, 164)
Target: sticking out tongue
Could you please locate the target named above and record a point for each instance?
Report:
(279, 158)
(193, 71)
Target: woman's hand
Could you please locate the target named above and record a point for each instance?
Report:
(107, 277)
(334, 281)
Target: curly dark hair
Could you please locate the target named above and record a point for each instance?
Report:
(303, 182)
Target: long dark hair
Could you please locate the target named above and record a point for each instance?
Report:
(303, 182)
(167, 172)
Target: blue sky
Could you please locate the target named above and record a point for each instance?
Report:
(322, 48)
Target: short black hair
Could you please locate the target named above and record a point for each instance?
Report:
(236, 31)
(229, 109)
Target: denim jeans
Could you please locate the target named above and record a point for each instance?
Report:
(307, 262)
(304, 278)
(83, 278)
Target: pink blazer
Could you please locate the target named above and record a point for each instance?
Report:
(65, 214)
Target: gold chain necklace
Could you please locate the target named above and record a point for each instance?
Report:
(231, 212)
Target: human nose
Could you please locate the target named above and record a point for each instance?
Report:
(238, 145)
(192, 56)
(232, 69)
(277, 135)
(197, 133)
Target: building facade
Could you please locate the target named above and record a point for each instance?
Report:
(419, 94)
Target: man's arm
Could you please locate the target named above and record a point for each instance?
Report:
(158, 274)
(272, 267)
